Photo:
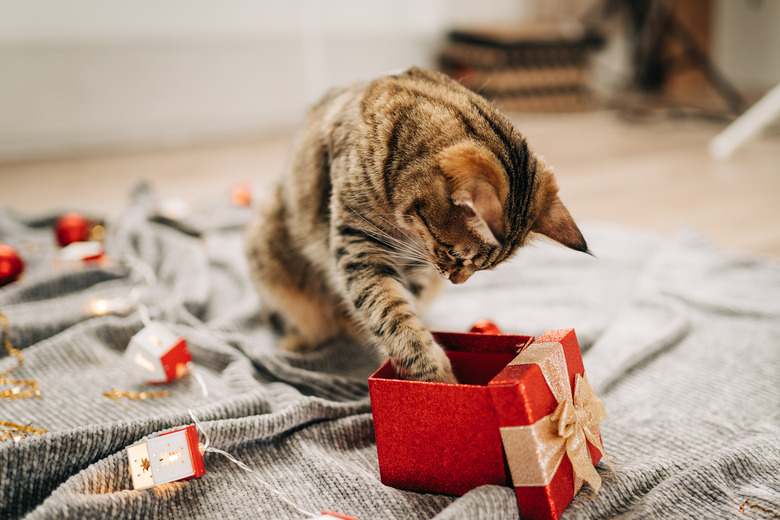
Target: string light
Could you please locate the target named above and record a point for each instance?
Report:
(207, 448)
(173, 457)
(99, 307)
(97, 233)
(166, 458)
(173, 208)
(80, 252)
(190, 467)
(156, 353)
(103, 306)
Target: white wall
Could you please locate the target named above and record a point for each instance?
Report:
(90, 75)
(747, 43)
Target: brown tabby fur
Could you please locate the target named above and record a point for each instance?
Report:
(393, 186)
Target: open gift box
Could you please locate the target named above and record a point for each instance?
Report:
(523, 415)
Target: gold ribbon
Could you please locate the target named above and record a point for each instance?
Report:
(535, 451)
(17, 432)
(17, 392)
(117, 395)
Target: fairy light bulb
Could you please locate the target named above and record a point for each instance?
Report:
(98, 307)
(103, 306)
(166, 458)
(157, 354)
(142, 362)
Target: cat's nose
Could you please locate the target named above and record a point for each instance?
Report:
(461, 274)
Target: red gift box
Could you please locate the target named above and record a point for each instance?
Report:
(521, 409)
(157, 354)
(166, 458)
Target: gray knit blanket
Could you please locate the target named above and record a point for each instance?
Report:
(680, 339)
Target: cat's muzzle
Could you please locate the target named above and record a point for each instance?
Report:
(460, 274)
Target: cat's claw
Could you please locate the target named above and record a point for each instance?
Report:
(441, 373)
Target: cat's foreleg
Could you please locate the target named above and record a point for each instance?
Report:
(291, 289)
(384, 308)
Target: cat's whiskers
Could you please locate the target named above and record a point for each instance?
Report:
(400, 252)
(395, 242)
(409, 263)
(407, 259)
(411, 240)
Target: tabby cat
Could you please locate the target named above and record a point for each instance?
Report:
(394, 186)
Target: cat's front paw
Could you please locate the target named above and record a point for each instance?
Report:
(446, 376)
(434, 366)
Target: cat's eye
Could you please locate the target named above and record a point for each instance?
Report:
(453, 253)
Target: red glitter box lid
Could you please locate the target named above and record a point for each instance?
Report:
(444, 438)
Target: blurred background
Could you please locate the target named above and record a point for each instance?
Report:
(623, 97)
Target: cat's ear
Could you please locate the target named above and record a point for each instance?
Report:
(484, 209)
(552, 219)
(479, 186)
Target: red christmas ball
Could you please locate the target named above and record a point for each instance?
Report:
(485, 327)
(11, 265)
(72, 227)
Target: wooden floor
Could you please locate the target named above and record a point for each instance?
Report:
(654, 176)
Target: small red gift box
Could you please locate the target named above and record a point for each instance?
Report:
(166, 458)
(157, 354)
(523, 415)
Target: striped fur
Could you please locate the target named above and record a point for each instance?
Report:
(393, 186)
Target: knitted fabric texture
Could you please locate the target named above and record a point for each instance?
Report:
(680, 339)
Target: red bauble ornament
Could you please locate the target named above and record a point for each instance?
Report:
(485, 327)
(72, 227)
(11, 265)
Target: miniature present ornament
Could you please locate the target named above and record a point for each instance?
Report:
(527, 420)
(76, 252)
(157, 354)
(178, 455)
(166, 458)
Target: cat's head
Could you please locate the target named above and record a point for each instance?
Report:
(479, 216)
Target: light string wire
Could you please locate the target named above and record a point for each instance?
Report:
(138, 267)
(15, 392)
(147, 273)
(208, 448)
(150, 277)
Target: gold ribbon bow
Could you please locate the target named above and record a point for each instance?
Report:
(535, 451)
